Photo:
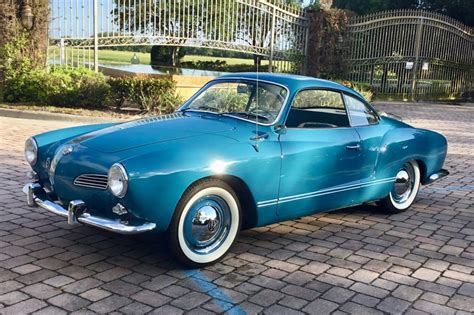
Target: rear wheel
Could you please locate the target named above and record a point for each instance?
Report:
(404, 190)
(205, 224)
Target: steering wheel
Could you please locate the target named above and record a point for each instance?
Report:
(260, 111)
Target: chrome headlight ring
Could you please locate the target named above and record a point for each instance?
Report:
(118, 180)
(31, 151)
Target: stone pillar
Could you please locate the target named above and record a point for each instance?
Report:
(11, 27)
(326, 49)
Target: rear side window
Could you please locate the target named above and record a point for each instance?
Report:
(359, 113)
(318, 99)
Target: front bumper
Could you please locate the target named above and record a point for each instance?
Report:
(77, 213)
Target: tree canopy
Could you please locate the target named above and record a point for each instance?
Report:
(462, 10)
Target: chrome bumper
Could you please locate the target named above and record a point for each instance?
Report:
(76, 213)
(436, 176)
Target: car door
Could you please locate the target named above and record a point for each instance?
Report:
(366, 123)
(320, 155)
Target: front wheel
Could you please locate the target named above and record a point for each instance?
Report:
(205, 224)
(404, 190)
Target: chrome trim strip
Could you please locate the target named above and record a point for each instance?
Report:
(86, 218)
(323, 192)
(98, 181)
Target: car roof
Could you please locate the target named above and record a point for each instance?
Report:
(291, 81)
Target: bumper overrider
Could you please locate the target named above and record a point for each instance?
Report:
(77, 213)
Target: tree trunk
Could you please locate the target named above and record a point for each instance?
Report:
(11, 27)
(175, 56)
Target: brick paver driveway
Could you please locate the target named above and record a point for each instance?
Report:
(356, 260)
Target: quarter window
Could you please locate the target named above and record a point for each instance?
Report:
(317, 109)
(360, 113)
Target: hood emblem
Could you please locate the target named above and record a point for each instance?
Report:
(67, 150)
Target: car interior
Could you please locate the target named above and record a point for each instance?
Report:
(317, 109)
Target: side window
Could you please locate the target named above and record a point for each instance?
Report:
(360, 113)
(317, 109)
(318, 99)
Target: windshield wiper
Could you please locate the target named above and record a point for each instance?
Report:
(210, 108)
(248, 115)
(203, 107)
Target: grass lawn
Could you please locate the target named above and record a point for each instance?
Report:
(123, 57)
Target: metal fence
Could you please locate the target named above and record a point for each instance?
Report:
(412, 54)
(79, 28)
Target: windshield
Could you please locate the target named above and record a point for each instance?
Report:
(242, 99)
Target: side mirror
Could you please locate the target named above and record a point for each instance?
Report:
(280, 129)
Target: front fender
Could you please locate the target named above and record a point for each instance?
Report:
(159, 177)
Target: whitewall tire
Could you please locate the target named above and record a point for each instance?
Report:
(206, 223)
(404, 190)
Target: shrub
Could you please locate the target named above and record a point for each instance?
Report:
(80, 87)
(152, 95)
(61, 86)
(363, 89)
(221, 65)
(121, 89)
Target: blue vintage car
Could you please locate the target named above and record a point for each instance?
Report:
(247, 150)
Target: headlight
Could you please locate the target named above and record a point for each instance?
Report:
(31, 151)
(118, 180)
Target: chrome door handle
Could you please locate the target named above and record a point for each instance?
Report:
(353, 147)
(260, 137)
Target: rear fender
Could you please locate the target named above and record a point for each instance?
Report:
(404, 144)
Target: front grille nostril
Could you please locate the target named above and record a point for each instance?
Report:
(97, 181)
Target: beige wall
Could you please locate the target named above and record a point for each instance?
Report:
(186, 85)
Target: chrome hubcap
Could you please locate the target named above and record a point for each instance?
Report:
(207, 224)
(404, 184)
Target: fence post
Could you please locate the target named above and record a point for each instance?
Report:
(306, 48)
(61, 52)
(96, 38)
(272, 40)
(419, 33)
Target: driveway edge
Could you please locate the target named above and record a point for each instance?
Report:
(29, 114)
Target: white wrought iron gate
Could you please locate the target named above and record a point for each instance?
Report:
(277, 32)
(412, 54)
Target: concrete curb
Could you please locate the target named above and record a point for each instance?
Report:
(29, 114)
(433, 103)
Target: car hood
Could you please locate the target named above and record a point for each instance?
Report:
(151, 130)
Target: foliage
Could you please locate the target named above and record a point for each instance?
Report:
(327, 50)
(150, 94)
(363, 89)
(121, 90)
(221, 65)
(34, 41)
(313, 5)
(322, 98)
(80, 87)
(61, 86)
(167, 55)
(225, 100)
(16, 61)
